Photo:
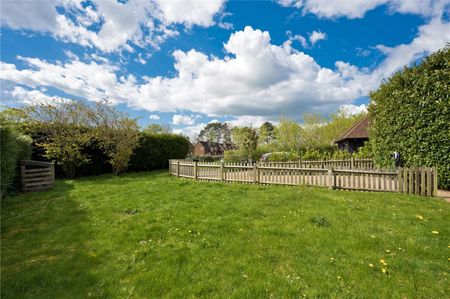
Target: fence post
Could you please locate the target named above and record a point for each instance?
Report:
(331, 178)
(178, 168)
(255, 173)
(400, 180)
(221, 171)
(195, 170)
(435, 181)
(352, 163)
(429, 182)
(53, 172)
(22, 177)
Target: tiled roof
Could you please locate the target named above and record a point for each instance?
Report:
(358, 131)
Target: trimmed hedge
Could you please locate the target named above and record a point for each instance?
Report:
(410, 114)
(14, 147)
(154, 151)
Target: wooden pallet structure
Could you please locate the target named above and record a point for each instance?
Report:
(36, 175)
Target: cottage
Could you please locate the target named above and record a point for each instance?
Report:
(354, 137)
(205, 148)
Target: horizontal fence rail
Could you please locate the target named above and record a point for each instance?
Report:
(366, 164)
(36, 175)
(420, 181)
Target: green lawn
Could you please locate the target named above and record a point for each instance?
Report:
(149, 235)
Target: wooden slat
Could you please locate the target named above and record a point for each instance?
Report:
(36, 163)
(33, 170)
(429, 182)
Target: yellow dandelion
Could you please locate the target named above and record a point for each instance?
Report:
(435, 232)
(372, 236)
(387, 250)
(382, 261)
(419, 217)
(338, 277)
(384, 270)
(371, 265)
(332, 259)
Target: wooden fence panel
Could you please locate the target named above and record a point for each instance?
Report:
(420, 181)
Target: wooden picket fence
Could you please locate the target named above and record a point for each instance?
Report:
(361, 164)
(421, 181)
(37, 175)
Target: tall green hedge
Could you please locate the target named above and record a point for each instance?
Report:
(154, 151)
(14, 147)
(410, 113)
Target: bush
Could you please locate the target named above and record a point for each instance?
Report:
(14, 147)
(233, 156)
(284, 157)
(203, 158)
(154, 151)
(410, 114)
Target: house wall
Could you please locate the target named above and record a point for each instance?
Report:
(199, 149)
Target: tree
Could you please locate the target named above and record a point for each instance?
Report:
(410, 114)
(289, 135)
(61, 128)
(266, 133)
(215, 132)
(117, 135)
(247, 140)
(320, 133)
(156, 129)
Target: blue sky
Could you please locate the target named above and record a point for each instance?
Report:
(186, 63)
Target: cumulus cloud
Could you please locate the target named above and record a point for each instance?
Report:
(180, 119)
(26, 96)
(350, 109)
(316, 36)
(255, 79)
(154, 117)
(190, 131)
(358, 8)
(121, 24)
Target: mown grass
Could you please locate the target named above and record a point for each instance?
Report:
(149, 235)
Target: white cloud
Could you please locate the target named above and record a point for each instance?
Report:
(25, 96)
(301, 39)
(358, 8)
(350, 109)
(316, 36)
(154, 117)
(33, 15)
(248, 121)
(255, 79)
(179, 119)
(190, 12)
(122, 25)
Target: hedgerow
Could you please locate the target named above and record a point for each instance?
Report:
(410, 114)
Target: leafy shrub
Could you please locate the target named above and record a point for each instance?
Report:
(283, 157)
(14, 147)
(410, 114)
(314, 155)
(364, 152)
(204, 158)
(154, 151)
(232, 156)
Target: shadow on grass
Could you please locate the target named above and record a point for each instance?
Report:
(45, 247)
